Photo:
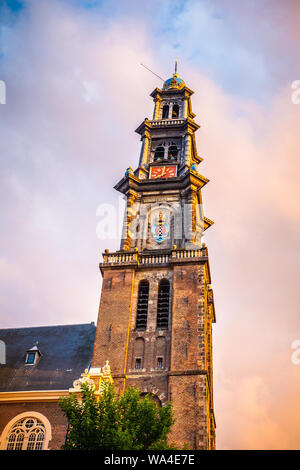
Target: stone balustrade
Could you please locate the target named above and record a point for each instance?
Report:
(146, 259)
(120, 258)
(154, 259)
(166, 122)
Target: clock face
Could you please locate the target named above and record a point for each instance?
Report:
(166, 171)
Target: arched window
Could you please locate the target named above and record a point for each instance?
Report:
(172, 152)
(175, 111)
(142, 306)
(163, 305)
(26, 434)
(159, 153)
(165, 111)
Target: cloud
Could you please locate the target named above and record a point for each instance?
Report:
(8, 272)
(247, 409)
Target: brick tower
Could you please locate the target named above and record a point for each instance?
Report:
(156, 309)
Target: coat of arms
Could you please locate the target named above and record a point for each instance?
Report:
(160, 230)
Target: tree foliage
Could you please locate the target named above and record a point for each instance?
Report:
(125, 422)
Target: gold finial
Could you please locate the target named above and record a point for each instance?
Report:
(175, 66)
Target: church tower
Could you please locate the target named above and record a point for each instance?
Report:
(157, 309)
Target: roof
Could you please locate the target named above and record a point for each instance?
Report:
(174, 82)
(66, 351)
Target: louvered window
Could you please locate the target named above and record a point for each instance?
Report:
(142, 307)
(163, 305)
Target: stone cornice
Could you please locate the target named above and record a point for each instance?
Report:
(207, 223)
(188, 372)
(186, 91)
(187, 125)
(180, 182)
(33, 396)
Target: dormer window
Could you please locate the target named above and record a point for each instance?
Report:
(32, 355)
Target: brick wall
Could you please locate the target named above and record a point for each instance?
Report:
(186, 375)
(112, 327)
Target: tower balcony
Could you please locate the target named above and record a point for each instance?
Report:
(152, 258)
(185, 124)
(167, 122)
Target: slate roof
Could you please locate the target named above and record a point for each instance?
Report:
(66, 351)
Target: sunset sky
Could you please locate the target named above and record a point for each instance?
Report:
(75, 94)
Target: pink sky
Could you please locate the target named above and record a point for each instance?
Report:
(75, 94)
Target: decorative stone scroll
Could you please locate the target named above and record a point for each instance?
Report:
(104, 374)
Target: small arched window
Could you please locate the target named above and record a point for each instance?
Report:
(159, 153)
(163, 305)
(172, 152)
(142, 306)
(175, 111)
(165, 111)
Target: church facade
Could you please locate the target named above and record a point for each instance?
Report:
(38, 367)
(156, 309)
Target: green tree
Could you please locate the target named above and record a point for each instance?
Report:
(125, 422)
